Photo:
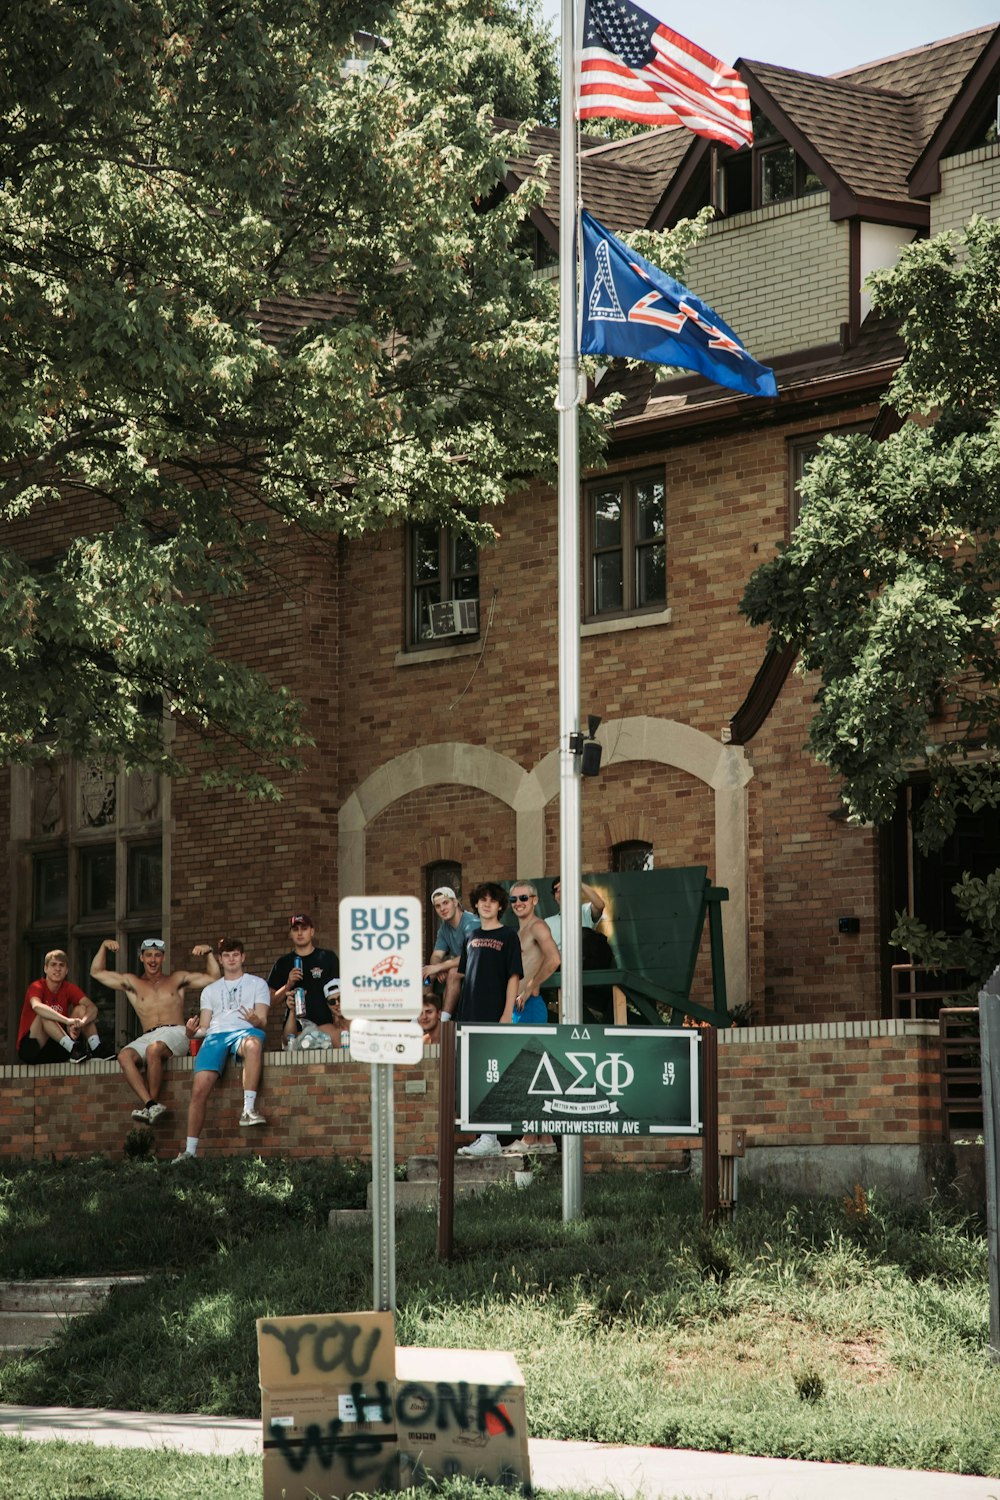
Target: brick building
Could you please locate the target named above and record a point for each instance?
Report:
(430, 672)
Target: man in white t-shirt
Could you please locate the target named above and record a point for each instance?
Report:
(232, 1022)
(591, 911)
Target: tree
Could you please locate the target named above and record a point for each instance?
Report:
(890, 585)
(511, 62)
(241, 292)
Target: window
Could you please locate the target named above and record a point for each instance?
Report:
(632, 854)
(92, 860)
(442, 585)
(626, 545)
(801, 451)
(771, 171)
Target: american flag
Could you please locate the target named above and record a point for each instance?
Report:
(635, 68)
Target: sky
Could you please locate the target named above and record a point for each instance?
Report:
(813, 37)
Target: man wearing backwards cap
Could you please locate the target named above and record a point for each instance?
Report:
(315, 970)
(456, 925)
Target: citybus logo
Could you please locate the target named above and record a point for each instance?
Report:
(383, 975)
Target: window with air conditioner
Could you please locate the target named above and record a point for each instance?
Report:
(442, 586)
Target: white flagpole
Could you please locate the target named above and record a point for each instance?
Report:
(570, 872)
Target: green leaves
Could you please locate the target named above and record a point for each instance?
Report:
(889, 584)
(245, 297)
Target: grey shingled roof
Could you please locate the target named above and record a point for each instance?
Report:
(877, 352)
(867, 136)
(931, 76)
(621, 197)
(870, 123)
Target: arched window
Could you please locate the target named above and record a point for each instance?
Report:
(631, 854)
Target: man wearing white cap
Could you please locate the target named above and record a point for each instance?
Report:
(456, 925)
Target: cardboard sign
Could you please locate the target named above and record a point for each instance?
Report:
(326, 1385)
(461, 1413)
(344, 1411)
(380, 957)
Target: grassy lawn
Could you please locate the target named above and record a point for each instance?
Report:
(77, 1471)
(852, 1332)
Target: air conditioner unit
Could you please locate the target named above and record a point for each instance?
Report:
(455, 617)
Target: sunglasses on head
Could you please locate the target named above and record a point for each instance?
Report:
(153, 943)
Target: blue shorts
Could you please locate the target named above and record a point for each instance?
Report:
(220, 1045)
(534, 1012)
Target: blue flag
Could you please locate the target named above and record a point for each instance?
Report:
(632, 310)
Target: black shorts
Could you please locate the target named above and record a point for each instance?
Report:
(31, 1052)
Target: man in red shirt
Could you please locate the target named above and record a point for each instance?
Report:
(57, 1019)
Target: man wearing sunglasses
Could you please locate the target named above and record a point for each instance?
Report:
(157, 1000)
(539, 955)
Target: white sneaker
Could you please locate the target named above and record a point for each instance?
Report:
(251, 1117)
(154, 1111)
(516, 1148)
(141, 1114)
(486, 1145)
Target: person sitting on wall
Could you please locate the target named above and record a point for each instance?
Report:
(314, 970)
(455, 927)
(540, 959)
(58, 1021)
(591, 911)
(429, 1019)
(233, 1022)
(492, 969)
(157, 1000)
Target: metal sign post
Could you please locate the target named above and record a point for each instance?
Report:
(380, 983)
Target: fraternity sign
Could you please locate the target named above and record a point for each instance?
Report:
(380, 963)
(580, 1080)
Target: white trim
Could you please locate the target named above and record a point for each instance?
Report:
(625, 622)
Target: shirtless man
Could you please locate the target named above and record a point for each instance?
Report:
(539, 955)
(157, 1001)
(539, 959)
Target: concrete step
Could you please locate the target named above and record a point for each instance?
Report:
(65, 1295)
(33, 1312)
(20, 1330)
(424, 1194)
(481, 1169)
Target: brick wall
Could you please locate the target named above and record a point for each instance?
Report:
(818, 1085)
(778, 276)
(970, 184)
(727, 505)
(464, 824)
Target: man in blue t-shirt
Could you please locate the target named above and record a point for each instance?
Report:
(456, 925)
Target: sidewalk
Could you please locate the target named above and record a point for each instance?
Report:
(652, 1473)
